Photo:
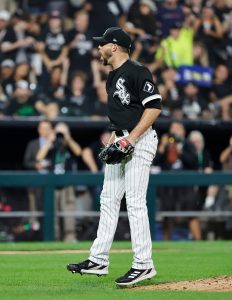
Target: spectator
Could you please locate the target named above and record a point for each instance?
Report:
(100, 102)
(22, 103)
(54, 91)
(53, 94)
(172, 104)
(142, 24)
(90, 153)
(210, 32)
(169, 13)
(177, 49)
(221, 94)
(194, 106)
(8, 41)
(52, 45)
(61, 150)
(99, 72)
(21, 27)
(25, 103)
(6, 78)
(226, 157)
(111, 11)
(75, 6)
(204, 160)
(23, 71)
(200, 54)
(77, 101)
(57, 7)
(94, 164)
(208, 194)
(222, 10)
(141, 19)
(34, 30)
(142, 16)
(226, 161)
(34, 7)
(45, 131)
(50, 110)
(227, 30)
(195, 6)
(176, 153)
(80, 44)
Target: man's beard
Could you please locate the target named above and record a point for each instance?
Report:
(106, 58)
(105, 61)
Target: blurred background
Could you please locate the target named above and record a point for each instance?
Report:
(53, 116)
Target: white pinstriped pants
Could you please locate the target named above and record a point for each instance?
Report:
(130, 178)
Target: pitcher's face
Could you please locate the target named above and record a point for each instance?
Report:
(105, 51)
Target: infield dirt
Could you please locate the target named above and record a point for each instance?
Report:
(214, 284)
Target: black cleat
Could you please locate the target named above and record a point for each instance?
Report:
(88, 267)
(134, 276)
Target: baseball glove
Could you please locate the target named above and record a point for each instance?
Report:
(116, 152)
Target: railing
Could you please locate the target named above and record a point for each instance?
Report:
(50, 181)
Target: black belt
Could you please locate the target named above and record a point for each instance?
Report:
(120, 133)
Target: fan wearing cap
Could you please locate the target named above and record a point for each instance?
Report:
(22, 103)
(7, 68)
(133, 107)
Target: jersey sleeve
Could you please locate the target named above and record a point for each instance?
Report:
(148, 92)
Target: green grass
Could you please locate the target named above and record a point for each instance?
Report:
(44, 276)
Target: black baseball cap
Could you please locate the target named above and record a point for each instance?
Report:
(115, 35)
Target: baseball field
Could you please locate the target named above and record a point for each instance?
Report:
(38, 271)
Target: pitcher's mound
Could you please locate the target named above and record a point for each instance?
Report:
(214, 284)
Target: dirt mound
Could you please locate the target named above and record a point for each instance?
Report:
(214, 284)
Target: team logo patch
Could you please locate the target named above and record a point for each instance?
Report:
(148, 87)
(122, 92)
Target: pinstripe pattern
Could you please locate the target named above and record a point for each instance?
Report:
(131, 177)
(112, 193)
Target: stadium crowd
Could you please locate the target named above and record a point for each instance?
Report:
(49, 68)
(49, 63)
